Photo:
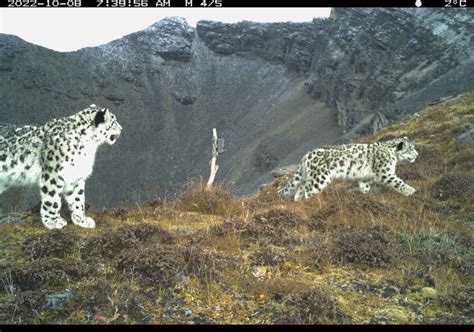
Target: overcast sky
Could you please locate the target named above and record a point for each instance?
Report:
(68, 29)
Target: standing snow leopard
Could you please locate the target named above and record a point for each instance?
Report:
(58, 156)
(366, 163)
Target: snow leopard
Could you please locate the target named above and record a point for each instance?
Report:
(366, 163)
(58, 157)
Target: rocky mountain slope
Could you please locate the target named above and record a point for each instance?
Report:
(208, 257)
(273, 91)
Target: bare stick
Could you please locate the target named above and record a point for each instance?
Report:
(214, 167)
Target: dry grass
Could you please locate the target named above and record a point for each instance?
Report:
(211, 257)
(216, 200)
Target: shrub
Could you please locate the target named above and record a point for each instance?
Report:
(312, 306)
(460, 298)
(129, 236)
(458, 187)
(56, 243)
(131, 305)
(102, 300)
(227, 227)
(92, 296)
(319, 252)
(267, 255)
(371, 246)
(48, 271)
(272, 227)
(26, 305)
(278, 218)
(120, 213)
(204, 264)
(363, 204)
(156, 265)
(317, 221)
(215, 200)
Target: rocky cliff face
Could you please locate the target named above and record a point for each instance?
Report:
(272, 90)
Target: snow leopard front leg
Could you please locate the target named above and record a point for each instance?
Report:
(74, 196)
(394, 182)
(51, 188)
(386, 175)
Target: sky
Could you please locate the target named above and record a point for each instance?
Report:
(69, 29)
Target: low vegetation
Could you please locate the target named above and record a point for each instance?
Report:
(210, 257)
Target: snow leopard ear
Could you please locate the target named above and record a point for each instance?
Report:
(400, 146)
(100, 117)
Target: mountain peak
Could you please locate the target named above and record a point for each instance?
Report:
(170, 21)
(171, 38)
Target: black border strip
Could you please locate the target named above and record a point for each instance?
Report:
(230, 3)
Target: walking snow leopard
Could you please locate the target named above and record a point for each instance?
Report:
(366, 163)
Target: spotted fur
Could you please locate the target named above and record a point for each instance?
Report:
(366, 163)
(58, 156)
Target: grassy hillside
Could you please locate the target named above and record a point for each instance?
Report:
(210, 257)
